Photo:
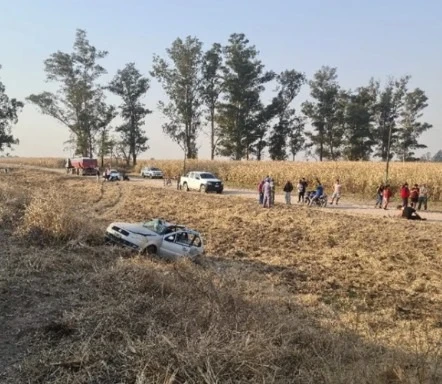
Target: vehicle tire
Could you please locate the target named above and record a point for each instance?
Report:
(151, 250)
(185, 187)
(203, 188)
(219, 192)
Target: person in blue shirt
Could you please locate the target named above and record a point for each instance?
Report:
(319, 192)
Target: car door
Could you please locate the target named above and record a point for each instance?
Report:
(175, 245)
(196, 181)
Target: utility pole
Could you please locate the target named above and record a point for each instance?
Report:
(388, 153)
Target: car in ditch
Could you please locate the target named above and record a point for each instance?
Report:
(201, 181)
(152, 173)
(157, 237)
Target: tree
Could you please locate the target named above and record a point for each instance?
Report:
(296, 136)
(244, 80)
(438, 156)
(409, 127)
(79, 99)
(290, 83)
(387, 111)
(212, 83)
(104, 143)
(325, 114)
(181, 80)
(9, 110)
(131, 86)
(358, 120)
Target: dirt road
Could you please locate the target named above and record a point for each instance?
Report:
(345, 206)
(349, 207)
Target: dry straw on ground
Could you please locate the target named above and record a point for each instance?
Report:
(289, 295)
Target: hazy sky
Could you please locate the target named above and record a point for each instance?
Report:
(362, 39)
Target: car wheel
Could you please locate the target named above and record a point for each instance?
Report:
(219, 192)
(185, 187)
(151, 250)
(203, 188)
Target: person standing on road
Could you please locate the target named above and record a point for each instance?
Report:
(288, 188)
(379, 196)
(414, 196)
(260, 191)
(302, 187)
(387, 196)
(336, 192)
(272, 191)
(266, 189)
(423, 197)
(405, 194)
(178, 182)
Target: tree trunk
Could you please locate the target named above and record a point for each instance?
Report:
(212, 134)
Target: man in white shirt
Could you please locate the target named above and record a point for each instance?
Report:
(423, 197)
(336, 192)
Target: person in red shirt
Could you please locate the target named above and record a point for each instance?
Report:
(405, 194)
(387, 195)
(414, 196)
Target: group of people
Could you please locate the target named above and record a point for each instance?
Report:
(266, 192)
(417, 196)
(412, 199)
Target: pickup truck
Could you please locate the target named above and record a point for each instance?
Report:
(201, 181)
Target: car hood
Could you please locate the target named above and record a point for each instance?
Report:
(212, 180)
(135, 228)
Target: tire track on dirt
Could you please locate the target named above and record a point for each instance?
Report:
(111, 194)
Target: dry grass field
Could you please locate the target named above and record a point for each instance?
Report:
(287, 295)
(358, 178)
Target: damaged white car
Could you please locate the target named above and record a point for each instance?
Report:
(167, 240)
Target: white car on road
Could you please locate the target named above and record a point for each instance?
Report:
(201, 181)
(167, 240)
(114, 175)
(152, 172)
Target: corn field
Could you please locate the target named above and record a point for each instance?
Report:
(359, 178)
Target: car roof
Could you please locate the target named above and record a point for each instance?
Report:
(180, 226)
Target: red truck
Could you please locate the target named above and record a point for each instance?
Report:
(82, 166)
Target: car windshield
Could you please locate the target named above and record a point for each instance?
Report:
(155, 225)
(207, 176)
(154, 169)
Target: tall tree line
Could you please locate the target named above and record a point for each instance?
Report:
(222, 91)
(227, 93)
